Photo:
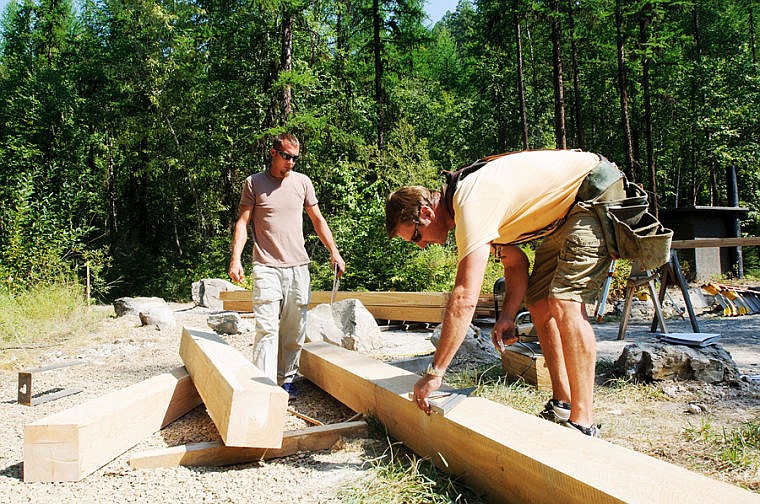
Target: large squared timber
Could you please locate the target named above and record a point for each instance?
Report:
(508, 455)
(214, 453)
(246, 406)
(69, 445)
(383, 305)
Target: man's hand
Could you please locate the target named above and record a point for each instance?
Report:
(236, 271)
(338, 261)
(423, 388)
(504, 333)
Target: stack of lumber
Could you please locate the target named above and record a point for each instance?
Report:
(383, 305)
(247, 408)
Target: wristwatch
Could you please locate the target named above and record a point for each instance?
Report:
(434, 372)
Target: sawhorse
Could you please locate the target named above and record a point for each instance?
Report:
(671, 273)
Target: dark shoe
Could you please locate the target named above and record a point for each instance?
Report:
(290, 388)
(556, 411)
(592, 431)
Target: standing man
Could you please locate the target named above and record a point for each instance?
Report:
(504, 201)
(273, 202)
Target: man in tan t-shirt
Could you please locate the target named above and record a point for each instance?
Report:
(512, 199)
(273, 202)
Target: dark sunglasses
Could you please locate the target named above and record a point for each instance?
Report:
(288, 157)
(416, 235)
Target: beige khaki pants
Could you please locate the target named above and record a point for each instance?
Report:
(280, 303)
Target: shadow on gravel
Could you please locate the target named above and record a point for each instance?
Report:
(14, 471)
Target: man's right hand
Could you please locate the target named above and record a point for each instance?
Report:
(236, 271)
(504, 333)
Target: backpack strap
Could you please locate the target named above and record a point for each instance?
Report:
(452, 178)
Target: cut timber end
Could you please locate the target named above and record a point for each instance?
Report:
(530, 368)
(246, 406)
(508, 455)
(69, 445)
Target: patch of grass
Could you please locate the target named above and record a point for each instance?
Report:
(401, 477)
(493, 385)
(735, 450)
(45, 314)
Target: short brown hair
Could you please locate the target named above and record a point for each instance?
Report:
(403, 206)
(285, 137)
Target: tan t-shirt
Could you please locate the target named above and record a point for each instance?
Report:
(517, 195)
(277, 217)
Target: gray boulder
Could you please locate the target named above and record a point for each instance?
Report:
(662, 361)
(346, 323)
(206, 292)
(228, 322)
(161, 319)
(135, 305)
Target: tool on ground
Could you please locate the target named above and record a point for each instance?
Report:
(28, 398)
(443, 401)
(336, 283)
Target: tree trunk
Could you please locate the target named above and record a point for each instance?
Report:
(379, 98)
(623, 85)
(559, 93)
(520, 78)
(644, 38)
(286, 64)
(577, 105)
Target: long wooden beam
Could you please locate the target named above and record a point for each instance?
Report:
(716, 242)
(384, 305)
(215, 453)
(247, 407)
(508, 455)
(69, 445)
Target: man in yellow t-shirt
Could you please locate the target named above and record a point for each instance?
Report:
(513, 199)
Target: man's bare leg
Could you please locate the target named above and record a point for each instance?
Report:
(579, 351)
(551, 347)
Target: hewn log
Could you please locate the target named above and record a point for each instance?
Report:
(215, 453)
(69, 445)
(247, 407)
(508, 455)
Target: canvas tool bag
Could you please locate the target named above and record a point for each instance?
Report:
(630, 229)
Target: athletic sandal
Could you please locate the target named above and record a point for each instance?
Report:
(556, 411)
(592, 431)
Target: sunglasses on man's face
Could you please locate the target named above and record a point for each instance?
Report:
(288, 157)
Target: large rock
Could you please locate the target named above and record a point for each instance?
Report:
(205, 292)
(228, 322)
(345, 323)
(135, 305)
(661, 361)
(475, 343)
(162, 319)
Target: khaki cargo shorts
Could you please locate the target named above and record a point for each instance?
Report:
(572, 262)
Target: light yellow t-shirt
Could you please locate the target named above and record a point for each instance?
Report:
(517, 195)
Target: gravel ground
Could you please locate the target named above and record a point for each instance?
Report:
(123, 353)
(126, 353)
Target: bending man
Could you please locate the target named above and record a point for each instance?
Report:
(503, 201)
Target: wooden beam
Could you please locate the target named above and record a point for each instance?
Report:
(69, 445)
(383, 305)
(247, 407)
(715, 242)
(215, 453)
(508, 455)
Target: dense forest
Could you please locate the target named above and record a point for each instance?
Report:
(127, 127)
